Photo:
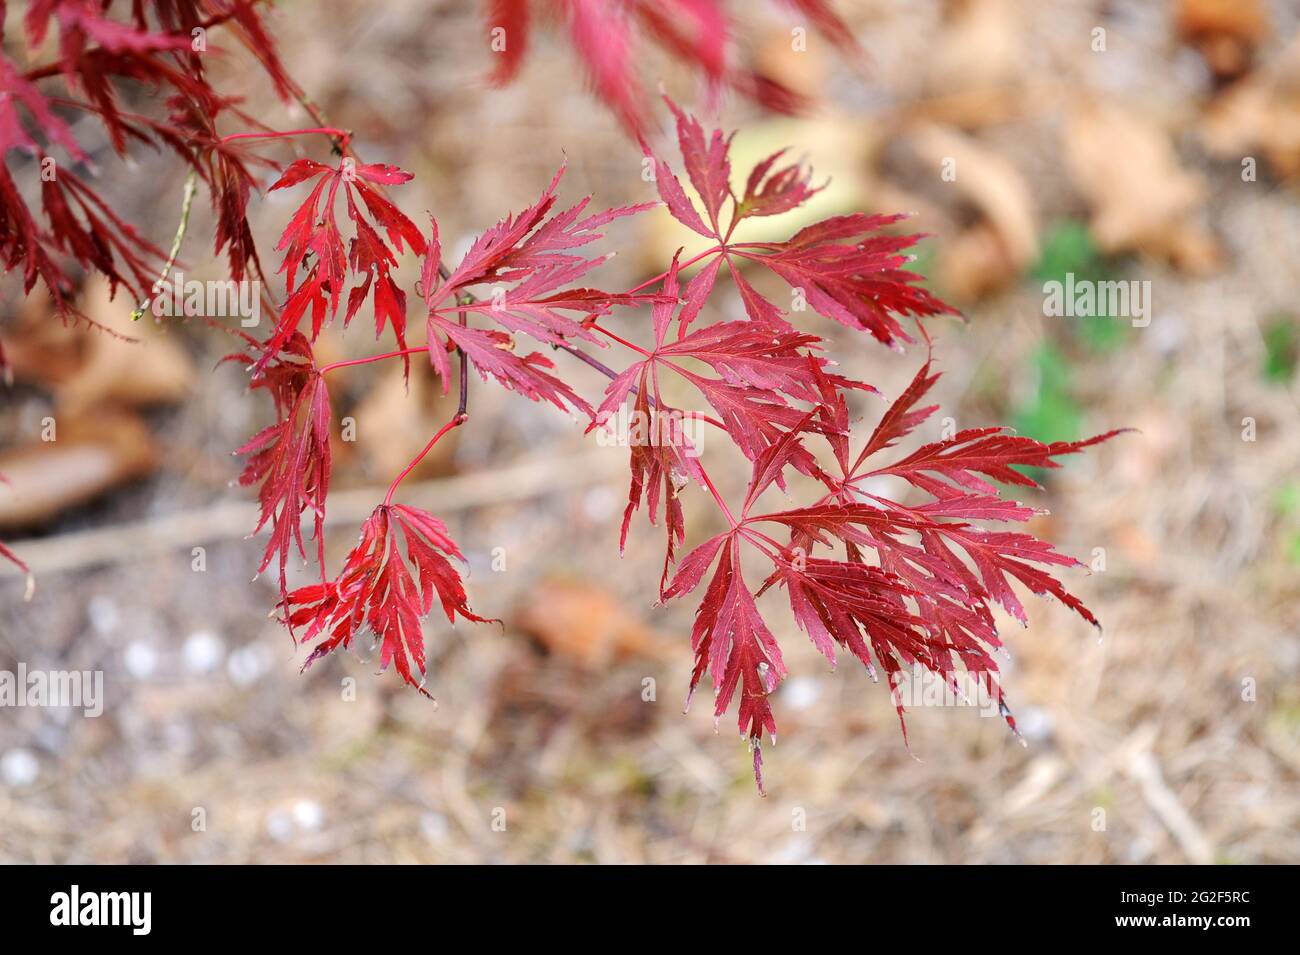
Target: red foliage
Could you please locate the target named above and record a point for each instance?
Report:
(895, 583)
(95, 54)
(607, 36)
(290, 459)
(314, 230)
(377, 591)
(532, 254)
(921, 602)
(845, 269)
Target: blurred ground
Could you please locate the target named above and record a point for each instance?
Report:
(1175, 738)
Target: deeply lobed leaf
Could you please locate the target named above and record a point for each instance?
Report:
(380, 591)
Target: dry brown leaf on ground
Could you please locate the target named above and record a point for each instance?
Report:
(981, 45)
(585, 624)
(40, 349)
(1003, 241)
(1224, 32)
(975, 77)
(1141, 197)
(142, 367)
(1260, 114)
(79, 460)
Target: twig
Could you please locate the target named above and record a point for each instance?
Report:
(229, 520)
(1145, 771)
(187, 202)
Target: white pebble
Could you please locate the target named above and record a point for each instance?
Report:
(279, 825)
(141, 659)
(19, 767)
(203, 651)
(308, 814)
(104, 615)
(248, 664)
(801, 692)
(1035, 724)
(434, 826)
(599, 503)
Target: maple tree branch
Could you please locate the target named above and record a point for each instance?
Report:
(464, 298)
(611, 374)
(708, 482)
(457, 420)
(463, 408)
(318, 117)
(462, 412)
(595, 363)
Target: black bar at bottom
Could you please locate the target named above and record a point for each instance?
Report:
(335, 904)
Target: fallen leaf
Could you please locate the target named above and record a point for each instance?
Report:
(91, 454)
(1224, 32)
(1003, 241)
(585, 624)
(981, 47)
(1141, 198)
(131, 364)
(1260, 114)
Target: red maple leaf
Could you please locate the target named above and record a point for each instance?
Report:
(926, 601)
(529, 262)
(842, 266)
(766, 378)
(492, 353)
(290, 459)
(377, 591)
(607, 35)
(313, 231)
(731, 642)
(81, 224)
(96, 56)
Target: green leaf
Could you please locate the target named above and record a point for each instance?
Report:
(1050, 413)
(1281, 349)
(1068, 249)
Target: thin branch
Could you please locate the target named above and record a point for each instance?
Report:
(458, 420)
(532, 477)
(582, 356)
(611, 374)
(348, 363)
(340, 135)
(463, 408)
(187, 202)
